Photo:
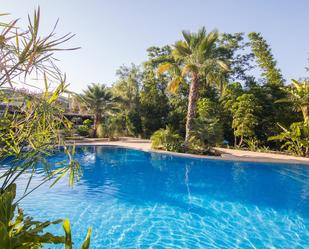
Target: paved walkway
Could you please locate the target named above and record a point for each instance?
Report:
(226, 154)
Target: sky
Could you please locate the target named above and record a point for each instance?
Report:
(118, 32)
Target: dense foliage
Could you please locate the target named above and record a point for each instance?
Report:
(203, 89)
(198, 93)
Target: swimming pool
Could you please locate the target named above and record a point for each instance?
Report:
(136, 199)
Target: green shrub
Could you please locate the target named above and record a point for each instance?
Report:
(83, 130)
(166, 139)
(295, 139)
(87, 122)
(253, 144)
(207, 127)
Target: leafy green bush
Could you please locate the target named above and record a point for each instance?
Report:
(166, 139)
(197, 146)
(88, 122)
(253, 144)
(207, 127)
(85, 128)
(295, 139)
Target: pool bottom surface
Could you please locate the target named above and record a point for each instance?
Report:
(136, 199)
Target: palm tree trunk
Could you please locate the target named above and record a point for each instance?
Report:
(96, 123)
(193, 96)
(241, 140)
(305, 111)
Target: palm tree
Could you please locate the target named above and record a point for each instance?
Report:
(197, 56)
(298, 95)
(99, 101)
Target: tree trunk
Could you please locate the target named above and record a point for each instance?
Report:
(96, 123)
(193, 96)
(241, 140)
(307, 151)
(305, 111)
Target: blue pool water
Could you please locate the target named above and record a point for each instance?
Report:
(135, 199)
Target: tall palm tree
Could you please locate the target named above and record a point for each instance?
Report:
(99, 101)
(298, 96)
(197, 56)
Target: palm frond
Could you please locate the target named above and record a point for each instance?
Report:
(296, 84)
(187, 36)
(223, 65)
(164, 67)
(189, 68)
(174, 84)
(180, 50)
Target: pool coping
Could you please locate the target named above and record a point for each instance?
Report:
(144, 145)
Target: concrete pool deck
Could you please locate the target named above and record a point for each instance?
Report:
(226, 154)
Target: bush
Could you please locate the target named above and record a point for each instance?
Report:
(83, 130)
(197, 146)
(207, 128)
(295, 139)
(166, 139)
(87, 122)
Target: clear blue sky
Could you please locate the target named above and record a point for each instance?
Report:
(116, 32)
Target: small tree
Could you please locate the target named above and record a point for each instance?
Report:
(265, 59)
(99, 101)
(244, 117)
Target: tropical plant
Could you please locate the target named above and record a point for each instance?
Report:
(298, 96)
(207, 126)
(153, 99)
(99, 101)
(31, 130)
(244, 117)
(295, 139)
(85, 128)
(166, 139)
(26, 51)
(20, 231)
(127, 91)
(197, 58)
